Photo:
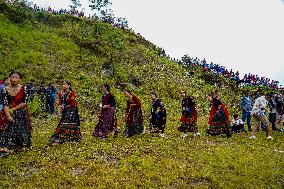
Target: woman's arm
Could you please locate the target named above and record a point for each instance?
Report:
(6, 107)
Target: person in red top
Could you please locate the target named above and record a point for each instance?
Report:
(189, 115)
(107, 118)
(219, 120)
(15, 127)
(68, 129)
(134, 116)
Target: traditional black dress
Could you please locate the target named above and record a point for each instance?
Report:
(107, 120)
(159, 116)
(68, 129)
(219, 122)
(16, 134)
(189, 116)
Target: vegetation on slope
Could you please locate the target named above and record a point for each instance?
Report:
(48, 47)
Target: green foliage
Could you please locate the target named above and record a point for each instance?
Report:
(36, 107)
(100, 7)
(48, 48)
(75, 4)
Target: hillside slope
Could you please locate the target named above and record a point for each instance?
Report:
(48, 47)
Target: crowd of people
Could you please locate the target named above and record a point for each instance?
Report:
(247, 79)
(16, 127)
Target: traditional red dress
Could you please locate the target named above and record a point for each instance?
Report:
(134, 117)
(189, 116)
(219, 119)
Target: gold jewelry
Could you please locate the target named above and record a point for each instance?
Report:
(13, 89)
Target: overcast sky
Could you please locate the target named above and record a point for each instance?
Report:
(245, 35)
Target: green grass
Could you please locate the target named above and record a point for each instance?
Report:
(48, 48)
(145, 161)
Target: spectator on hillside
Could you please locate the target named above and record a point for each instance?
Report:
(272, 113)
(50, 93)
(31, 90)
(279, 100)
(41, 95)
(237, 124)
(246, 107)
(258, 113)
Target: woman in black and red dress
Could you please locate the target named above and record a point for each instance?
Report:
(219, 122)
(15, 127)
(107, 119)
(68, 129)
(189, 115)
(158, 116)
(134, 116)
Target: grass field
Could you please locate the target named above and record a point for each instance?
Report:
(146, 161)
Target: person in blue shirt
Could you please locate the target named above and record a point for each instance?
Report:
(50, 93)
(246, 106)
(31, 90)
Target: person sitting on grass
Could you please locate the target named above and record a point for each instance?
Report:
(237, 124)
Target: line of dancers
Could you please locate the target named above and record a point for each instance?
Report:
(16, 127)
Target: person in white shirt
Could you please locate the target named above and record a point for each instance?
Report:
(237, 124)
(258, 113)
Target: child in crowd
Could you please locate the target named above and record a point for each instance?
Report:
(237, 124)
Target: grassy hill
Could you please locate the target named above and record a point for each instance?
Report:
(48, 47)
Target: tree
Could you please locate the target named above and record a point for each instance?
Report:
(75, 4)
(186, 60)
(100, 7)
(121, 23)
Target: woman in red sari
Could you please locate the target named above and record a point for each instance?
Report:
(134, 116)
(68, 129)
(219, 122)
(15, 126)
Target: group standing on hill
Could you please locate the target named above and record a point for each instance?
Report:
(16, 128)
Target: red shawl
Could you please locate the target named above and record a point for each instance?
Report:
(130, 110)
(70, 99)
(18, 99)
(214, 110)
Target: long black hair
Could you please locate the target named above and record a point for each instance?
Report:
(107, 87)
(16, 72)
(68, 83)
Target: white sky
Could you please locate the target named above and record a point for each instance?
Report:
(245, 35)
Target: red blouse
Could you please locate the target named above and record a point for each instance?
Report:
(70, 99)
